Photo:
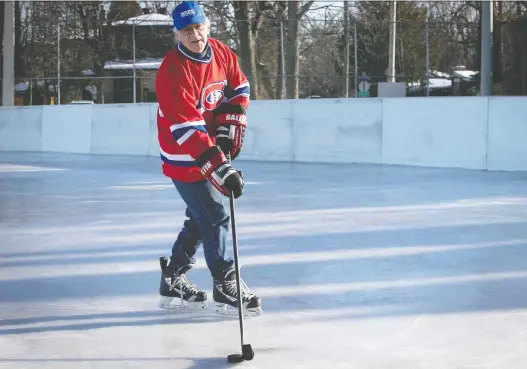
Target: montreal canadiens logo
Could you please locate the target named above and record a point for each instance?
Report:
(212, 95)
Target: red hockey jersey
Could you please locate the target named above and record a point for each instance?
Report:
(188, 89)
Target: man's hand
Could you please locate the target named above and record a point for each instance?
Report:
(217, 169)
(230, 130)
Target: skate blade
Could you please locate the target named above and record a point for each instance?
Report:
(176, 304)
(224, 309)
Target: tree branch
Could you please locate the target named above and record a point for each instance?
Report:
(303, 10)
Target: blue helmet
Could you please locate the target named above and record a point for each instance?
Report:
(187, 13)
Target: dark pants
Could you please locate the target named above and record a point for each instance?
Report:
(207, 223)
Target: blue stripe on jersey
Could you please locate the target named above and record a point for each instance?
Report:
(239, 91)
(178, 163)
(178, 133)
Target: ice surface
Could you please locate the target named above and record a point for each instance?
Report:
(358, 267)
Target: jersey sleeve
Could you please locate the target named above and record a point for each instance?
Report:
(237, 92)
(177, 109)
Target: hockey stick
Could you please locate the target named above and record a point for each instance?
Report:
(247, 351)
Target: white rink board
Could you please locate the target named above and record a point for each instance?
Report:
(269, 133)
(21, 128)
(153, 142)
(67, 128)
(448, 132)
(338, 131)
(507, 148)
(436, 132)
(120, 129)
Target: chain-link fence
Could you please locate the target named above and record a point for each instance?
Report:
(109, 52)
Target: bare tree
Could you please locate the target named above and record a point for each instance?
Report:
(242, 11)
(295, 12)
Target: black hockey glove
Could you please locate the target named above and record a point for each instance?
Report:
(230, 129)
(217, 169)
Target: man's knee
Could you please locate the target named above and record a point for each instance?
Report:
(213, 218)
(204, 203)
(192, 228)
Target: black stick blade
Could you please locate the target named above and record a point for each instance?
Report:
(235, 358)
(248, 352)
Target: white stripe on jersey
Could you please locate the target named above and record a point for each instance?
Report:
(176, 126)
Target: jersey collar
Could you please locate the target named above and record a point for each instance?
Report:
(205, 57)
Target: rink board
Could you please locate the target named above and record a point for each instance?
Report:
(481, 133)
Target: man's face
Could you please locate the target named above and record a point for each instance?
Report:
(194, 37)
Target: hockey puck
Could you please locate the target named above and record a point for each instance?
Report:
(235, 358)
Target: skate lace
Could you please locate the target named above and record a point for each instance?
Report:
(232, 290)
(181, 282)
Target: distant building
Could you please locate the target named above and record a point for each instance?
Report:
(459, 82)
(153, 38)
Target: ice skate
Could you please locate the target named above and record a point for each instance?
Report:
(177, 292)
(225, 297)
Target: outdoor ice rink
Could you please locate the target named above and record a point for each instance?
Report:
(358, 266)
